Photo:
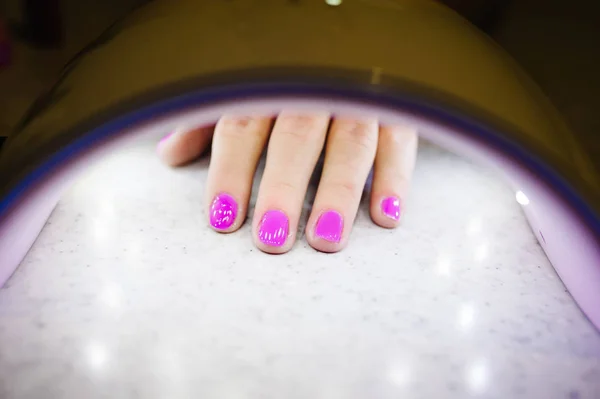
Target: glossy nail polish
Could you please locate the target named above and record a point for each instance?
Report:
(390, 206)
(329, 226)
(223, 211)
(273, 228)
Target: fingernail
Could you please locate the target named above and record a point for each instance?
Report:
(273, 228)
(165, 138)
(329, 226)
(390, 206)
(223, 211)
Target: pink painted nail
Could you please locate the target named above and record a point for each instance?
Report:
(390, 206)
(223, 211)
(165, 138)
(329, 226)
(273, 228)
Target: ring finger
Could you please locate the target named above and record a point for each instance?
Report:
(349, 156)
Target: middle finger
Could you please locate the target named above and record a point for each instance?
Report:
(294, 148)
(349, 155)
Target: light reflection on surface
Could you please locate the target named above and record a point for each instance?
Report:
(104, 220)
(443, 266)
(466, 317)
(107, 208)
(522, 198)
(101, 230)
(481, 252)
(477, 376)
(400, 375)
(112, 295)
(474, 226)
(97, 356)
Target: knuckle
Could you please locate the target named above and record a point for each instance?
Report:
(236, 127)
(297, 127)
(298, 121)
(282, 187)
(297, 135)
(399, 135)
(359, 134)
(346, 189)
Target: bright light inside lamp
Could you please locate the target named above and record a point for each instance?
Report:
(522, 198)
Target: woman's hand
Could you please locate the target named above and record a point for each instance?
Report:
(295, 142)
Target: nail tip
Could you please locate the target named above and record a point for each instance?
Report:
(223, 212)
(329, 226)
(274, 228)
(390, 207)
(394, 217)
(332, 239)
(165, 138)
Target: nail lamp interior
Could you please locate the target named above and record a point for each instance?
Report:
(127, 253)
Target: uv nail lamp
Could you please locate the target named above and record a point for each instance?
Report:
(180, 64)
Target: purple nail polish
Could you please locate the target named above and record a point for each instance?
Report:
(223, 211)
(329, 226)
(273, 228)
(390, 206)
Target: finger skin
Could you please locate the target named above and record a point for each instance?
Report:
(184, 146)
(392, 173)
(294, 147)
(236, 149)
(350, 151)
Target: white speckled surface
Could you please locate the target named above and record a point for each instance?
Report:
(128, 294)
